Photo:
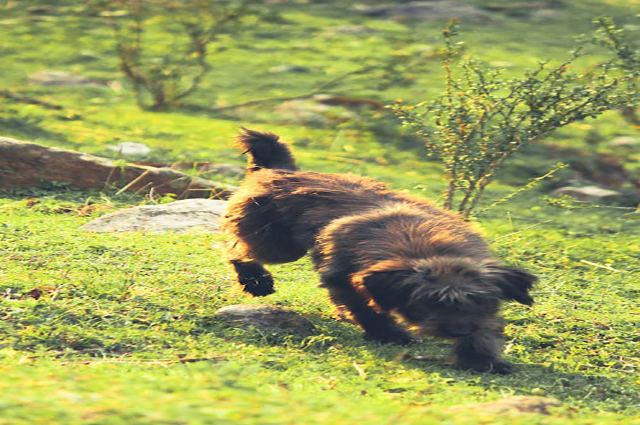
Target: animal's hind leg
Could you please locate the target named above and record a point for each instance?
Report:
(259, 239)
(254, 278)
(270, 246)
(260, 233)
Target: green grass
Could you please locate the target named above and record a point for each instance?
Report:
(93, 326)
(117, 311)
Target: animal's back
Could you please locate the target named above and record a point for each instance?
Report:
(306, 202)
(400, 230)
(343, 192)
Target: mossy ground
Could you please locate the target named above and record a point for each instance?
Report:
(93, 326)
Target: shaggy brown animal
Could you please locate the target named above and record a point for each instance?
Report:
(383, 255)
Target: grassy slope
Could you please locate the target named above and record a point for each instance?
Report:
(148, 300)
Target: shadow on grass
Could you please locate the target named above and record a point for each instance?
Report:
(333, 342)
(431, 356)
(63, 193)
(28, 128)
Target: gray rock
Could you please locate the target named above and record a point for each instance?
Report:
(62, 78)
(547, 14)
(197, 215)
(265, 316)
(312, 112)
(229, 169)
(295, 69)
(351, 30)
(625, 141)
(517, 405)
(210, 167)
(587, 193)
(131, 149)
(428, 11)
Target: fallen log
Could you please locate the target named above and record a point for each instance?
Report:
(28, 165)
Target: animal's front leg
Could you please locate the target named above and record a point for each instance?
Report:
(480, 351)
(254, 278)
(378, 326)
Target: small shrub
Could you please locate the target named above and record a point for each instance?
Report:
(617, 41)
(482, 118)
(164, 72)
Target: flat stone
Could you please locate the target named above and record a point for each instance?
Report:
(547, 14)
(295, 69)
(625, 141)
(518, 405)
(587, 193)
(189, 215)
(131, 149)
(265, 316)
(351, 30)
(221, 168)
(312, 112)
(62, 78)
(205, 167)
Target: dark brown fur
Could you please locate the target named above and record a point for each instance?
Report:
(380, 253)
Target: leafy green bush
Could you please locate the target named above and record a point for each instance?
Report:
(482, 118)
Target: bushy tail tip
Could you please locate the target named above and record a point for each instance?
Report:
(265, 150)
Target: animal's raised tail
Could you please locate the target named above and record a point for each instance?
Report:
(265, 150)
